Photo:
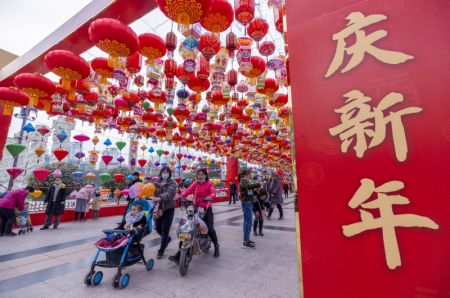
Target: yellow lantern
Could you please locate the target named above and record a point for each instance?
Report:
(37, 194)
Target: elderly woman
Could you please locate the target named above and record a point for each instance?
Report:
(83, 197)
(166, 190)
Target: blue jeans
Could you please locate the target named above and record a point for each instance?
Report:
(247, 208)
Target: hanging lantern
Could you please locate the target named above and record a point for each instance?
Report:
(202, 68)
(14, 172)
(278, 14)
(35, 86)
(102, 69)
(232, 77)
(114, 38)
(258, 67)
(11, 98)
(39, 151)
(279, 100)
(41, 174)
(152, 47)
(266, 48)
(118, 177)
(244, 11)
(171, 42)
(219, 18)
(270, 87)
(157, 97)
(170, 68)
(67, 65)
(133, 63)
(183, 75)
(231, 43)
(198, 86)
(60, 154)
(209, 45)
(185, 12)
(257, 29)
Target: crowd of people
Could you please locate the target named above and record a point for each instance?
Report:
(259, 197)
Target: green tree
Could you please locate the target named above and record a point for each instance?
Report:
(118, 170)
(67, 178)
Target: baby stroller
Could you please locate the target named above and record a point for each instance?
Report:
(122, 248)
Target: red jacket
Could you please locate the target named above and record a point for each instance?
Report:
(14, 199)
(200, 192)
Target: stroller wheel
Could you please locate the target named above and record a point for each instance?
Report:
(124, 280)
(116, 280)
(87, 279)
(97, 278)
(150, 264)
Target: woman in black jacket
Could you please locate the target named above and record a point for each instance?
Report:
(56, 203)
(164, 200)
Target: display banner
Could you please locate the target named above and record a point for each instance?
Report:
(370, 85)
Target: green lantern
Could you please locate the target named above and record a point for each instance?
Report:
(120, 145)
(105, 177)
(170, 111)
(146, 104)
(160, 152)
(15, 149)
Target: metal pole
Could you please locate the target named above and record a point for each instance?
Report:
(24, 115)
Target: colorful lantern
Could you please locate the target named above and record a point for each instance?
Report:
(257, 29)
(118, 177)
(105, 177)
(35, 86)
(185, 12)
(114, 38)
(14, 172)
(67, 65)
(133, 63)
(41, 174)
(219, 18)
(209, 45)
(244, 11)
(101, 67)
(15, 149)
(266, 48)
(151, 46)
(258, 67)
(11, 98)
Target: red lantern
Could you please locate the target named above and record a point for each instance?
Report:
(258, 67)
(35, 86)
(157, 98)
(218, 99)
(133, 63)
(244, 11)
(14, 172)
(41, 174)
(180, 114)
(170, 68)
(236, 112)
(279, 100)
(118, 177)
(278, 13)
(231, 43)
(171, 41)
(142, 162)
(184, 12)
(198, 86)
(183, 75)
(152, 47)
(209, 45)
(270, 87)
(114, 38)
(60, 154)
(232, 77)
(107, 159)
(67, 65)
(257, 29)
(266, 48)
(219, 18)
(202, 68)
(101, 68)
(11, 98)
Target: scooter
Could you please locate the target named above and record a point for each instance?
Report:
(191, 232)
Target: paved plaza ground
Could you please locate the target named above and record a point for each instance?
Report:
(53, 263)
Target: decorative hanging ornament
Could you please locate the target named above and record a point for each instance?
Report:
(61, 136)
(185, 12)
(209, 45)
(15, 149)
(114, 38)
(68, 66)
(34, 85)
(102, 69)
(60, 154)
(219, 18)
(152, 47)
(10, 98)
(257, 29)
(244, 11)
(14, 172)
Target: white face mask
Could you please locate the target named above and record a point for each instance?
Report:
(58, 182)
(165, 176)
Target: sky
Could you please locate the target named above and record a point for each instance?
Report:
(27, 28)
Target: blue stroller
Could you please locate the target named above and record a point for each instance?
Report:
(126, 250)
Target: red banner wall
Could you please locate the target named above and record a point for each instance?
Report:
(371, 108)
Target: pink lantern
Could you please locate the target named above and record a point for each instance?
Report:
(81, 138)
(14, 172)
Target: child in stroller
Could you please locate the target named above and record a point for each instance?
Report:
(23, 220)
(123, 248)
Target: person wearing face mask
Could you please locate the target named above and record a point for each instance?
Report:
(203, 192)
(166, 190)
(56, 202)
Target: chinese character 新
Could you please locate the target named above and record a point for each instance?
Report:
(387, 221)
(363, 44)
(360, 120)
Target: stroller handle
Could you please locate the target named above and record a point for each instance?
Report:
(111, 231)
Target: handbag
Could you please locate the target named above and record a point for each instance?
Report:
(157, 212)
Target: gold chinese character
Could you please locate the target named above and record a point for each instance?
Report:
(363, 44)
(387, 221)
(355, 123)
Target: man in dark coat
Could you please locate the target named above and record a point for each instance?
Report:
(275, 195)
(232, 192)
(56, 203)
